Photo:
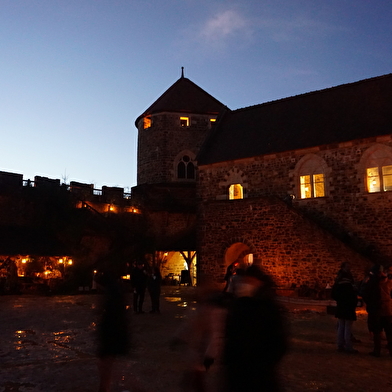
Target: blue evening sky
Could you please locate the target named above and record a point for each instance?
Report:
(75, 74)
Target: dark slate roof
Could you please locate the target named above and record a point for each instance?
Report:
(351, 111)
(184, 96)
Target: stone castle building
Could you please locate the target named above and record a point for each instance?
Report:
(296, 185)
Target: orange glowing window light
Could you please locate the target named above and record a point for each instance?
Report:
(184, 121)
(147, 122)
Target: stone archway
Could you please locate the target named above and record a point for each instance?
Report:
(240, 251)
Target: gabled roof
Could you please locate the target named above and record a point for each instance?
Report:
(351, 111)
(184, 96)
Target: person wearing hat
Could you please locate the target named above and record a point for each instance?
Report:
(345, 295)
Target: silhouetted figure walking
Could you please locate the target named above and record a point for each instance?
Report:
(139, 283)
(113, 328)
(154, 288)
(202, 332)
(255, 336)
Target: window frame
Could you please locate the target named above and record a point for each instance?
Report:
(236, 190)
(147, 122)
(184, 121)
(379, 178)
(187, 166)
(316, 170)
(312, 186)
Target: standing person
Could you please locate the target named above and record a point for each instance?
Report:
(377, 296)
(113, 328)
(154, 288)
(255, 339)
(346, 297)
(139, 283)
(230, 271)
(235, 281)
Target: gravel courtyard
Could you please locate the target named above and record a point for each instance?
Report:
(47, 344)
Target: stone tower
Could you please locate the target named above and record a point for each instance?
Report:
(171, 132)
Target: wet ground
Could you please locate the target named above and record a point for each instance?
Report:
(47, 344)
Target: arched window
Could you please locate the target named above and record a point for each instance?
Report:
(185, 168)
(236, 191)
(378, 169)
(311, 177)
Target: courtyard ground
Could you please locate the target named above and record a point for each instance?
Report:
(47, 345)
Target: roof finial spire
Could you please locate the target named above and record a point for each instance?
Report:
(182, 72)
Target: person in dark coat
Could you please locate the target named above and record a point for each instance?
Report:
(377, 295)
(255, 336)
(346, 297)
(113, 328)
(139, 283)
(230, 271)
(154, 288)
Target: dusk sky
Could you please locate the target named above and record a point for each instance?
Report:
(75, 74)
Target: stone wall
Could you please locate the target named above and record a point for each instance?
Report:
(283, 241)
(159, 145)
(168, 226)
(361, 219)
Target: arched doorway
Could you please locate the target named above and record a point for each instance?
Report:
(237, 255)
(173, 264)
(239, 252)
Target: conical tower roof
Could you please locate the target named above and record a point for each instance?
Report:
(184, 96)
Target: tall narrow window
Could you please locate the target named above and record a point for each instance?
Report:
(186, 168)
(236, 192)
(387, 177)
(318, 185)
(373, 179)
(147, 122)
(181, 170)
(305, 187)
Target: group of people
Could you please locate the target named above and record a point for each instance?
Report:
(243, 326)
(141, 280)
(376, 292)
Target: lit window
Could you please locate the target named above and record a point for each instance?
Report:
(186, 168)
(311, 173)
(212, 120)
(312, 186)
(379, 178)
(146, 122)
(236, 192)
(184, 121)
(318, 185)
